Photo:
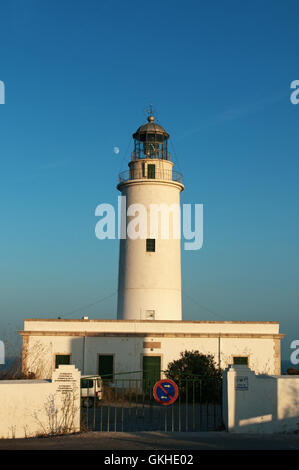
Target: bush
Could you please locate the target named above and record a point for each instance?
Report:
(197, 376)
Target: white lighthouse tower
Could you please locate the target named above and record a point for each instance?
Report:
(149, 281)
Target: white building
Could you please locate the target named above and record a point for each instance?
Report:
(149, 332)
(114, 346)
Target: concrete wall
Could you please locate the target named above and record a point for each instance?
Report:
(253, 403)
(40, 407)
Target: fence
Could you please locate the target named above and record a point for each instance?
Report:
(128, 405)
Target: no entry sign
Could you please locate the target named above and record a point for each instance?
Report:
(165, 392)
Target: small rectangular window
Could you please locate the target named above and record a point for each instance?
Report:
(150, 244)
(87, 383)
(143, 169)
(240, 360)
(150, 314)
(62, 359)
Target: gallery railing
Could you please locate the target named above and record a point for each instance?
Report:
(147, 174)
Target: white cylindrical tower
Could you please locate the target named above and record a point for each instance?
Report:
(149, 279)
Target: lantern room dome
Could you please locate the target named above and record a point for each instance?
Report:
(150, 128)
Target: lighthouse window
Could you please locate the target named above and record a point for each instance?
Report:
(241, 360)
(150, 244)
(151, 171)
(150, 314)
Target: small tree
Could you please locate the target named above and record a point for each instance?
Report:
(197, 376)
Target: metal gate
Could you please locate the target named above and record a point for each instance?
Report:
(128, 405)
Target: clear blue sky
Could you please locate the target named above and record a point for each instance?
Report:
(78, 76)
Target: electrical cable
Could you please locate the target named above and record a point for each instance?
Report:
(205, 308)
(89, 305)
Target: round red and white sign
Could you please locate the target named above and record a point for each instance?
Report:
(165, 391)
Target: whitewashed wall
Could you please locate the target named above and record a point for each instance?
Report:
(150, 281)
(265, 404)
(40, 407)
(237, 327)
(128, 351)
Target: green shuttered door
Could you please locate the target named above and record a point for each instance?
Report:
(151, 368)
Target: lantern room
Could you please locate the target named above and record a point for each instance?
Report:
(150, 141)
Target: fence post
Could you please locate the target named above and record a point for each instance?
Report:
(236, 394)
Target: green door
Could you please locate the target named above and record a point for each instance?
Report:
(151, 370)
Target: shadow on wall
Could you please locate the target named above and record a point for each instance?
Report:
(95, 355)
(260, 403)
(40, 356)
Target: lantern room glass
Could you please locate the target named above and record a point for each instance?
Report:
(150, 145)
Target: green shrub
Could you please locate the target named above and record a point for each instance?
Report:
(197, 376)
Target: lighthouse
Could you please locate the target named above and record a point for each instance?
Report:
(149, 278)
(149, 332)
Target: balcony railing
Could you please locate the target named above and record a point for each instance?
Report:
(158, 174)
(140, 155)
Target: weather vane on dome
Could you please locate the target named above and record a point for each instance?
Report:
(150, 112)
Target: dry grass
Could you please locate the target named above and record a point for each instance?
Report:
(61, 416)
(24, 363)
